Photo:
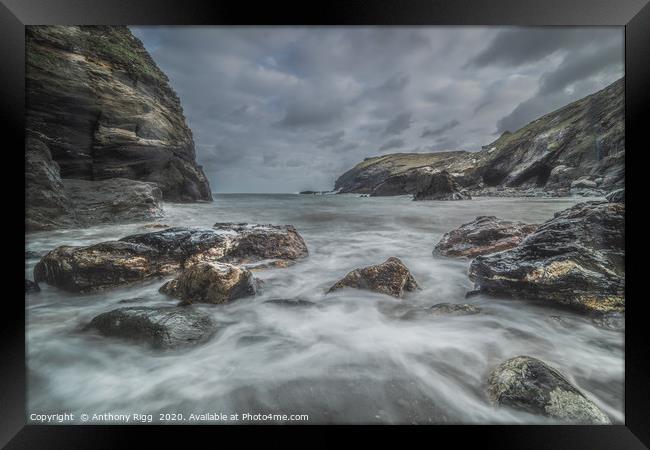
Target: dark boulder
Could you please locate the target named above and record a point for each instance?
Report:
(211, 282)
(438, 185)
(290, 302)
(483, 235)
(160, 328)
(530, 385)
(391, 277)
(576, 259)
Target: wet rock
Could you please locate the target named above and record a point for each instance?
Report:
(442, 309)
(180, 243)
(211, 283)
(31, 287)
(291, 302)
(161, 328)
(433, 185)
(528, 384)
(158, 253)
(483, 235)
(391, 277)
(617, 196)
(99, 266)
(255, 242)
(576, 259)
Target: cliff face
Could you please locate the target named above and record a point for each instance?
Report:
(99, 104)
(579, 148)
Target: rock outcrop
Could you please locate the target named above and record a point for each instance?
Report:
(159, 253)
(433, 185)
(482, 236)
(113, 201)
(528, 384)
(99, 105)
(211, 282)
(575, 259)
(576, 150)
(391, 277)
(160, 328)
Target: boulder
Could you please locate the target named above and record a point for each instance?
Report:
(530, 385)
(483, 235)
(391, 277)
(441, 309)
(438, 185)
(159, 253)
(160, 328)
(31, 287)
(617, 196)
(255, 242)
(100, 266)
(211, 282)
(575, 259)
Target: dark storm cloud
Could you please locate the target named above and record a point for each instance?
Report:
(433, 132)
(276, 109)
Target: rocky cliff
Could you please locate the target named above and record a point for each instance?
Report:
(578, 149)
(98, 105)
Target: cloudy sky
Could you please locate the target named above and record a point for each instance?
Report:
(287, 109)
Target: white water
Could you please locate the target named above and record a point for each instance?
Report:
(348, 360)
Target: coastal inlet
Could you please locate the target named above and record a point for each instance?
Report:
(350, 356)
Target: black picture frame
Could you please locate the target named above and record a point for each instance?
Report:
(634, 15)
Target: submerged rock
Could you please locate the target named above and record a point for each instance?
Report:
(211, 283)
(432, 185)
(161, 328)
(291, 302)
(483, 235)
(141, 256)
(528, 384)
(30, 286)
(617, 196)
(576, 259)
(391, 277)
(442, 309)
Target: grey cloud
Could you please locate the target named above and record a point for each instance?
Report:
(517, 46)
(398, 124)
(266, 100)
(331, 140)
(433, 132)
